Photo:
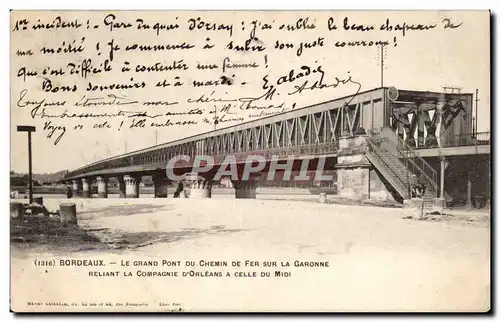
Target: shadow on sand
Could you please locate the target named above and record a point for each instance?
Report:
(122, 210)
(117, 239)
(43, 234)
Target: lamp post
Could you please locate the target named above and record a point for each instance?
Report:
(29, 129)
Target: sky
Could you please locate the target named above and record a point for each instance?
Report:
(419, 60)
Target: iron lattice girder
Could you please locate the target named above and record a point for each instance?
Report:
(420, 113)
(285, 137)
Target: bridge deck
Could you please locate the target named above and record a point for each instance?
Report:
(452, 151)
(312, 130)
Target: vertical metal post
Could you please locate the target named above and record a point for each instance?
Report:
(382, 65)
(471, 170)
(469, 193)
(342, 120)
(441, 190)
(408, 184)
(477, 100)
(361, 121)
(30, 173)
(373, 111)
(29, 129)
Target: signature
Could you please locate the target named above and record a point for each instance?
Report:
(320, 85)
(110, 99)
(302, 74)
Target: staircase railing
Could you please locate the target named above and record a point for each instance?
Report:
(413, 162)
(380, 148)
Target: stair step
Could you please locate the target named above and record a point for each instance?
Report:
(393, 166)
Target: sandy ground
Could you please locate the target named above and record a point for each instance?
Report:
(377, 261)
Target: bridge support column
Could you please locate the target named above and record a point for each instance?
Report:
(245, 189)
(121, 186)
(102, 187)
(471, 176)
(353, 169)
(469, 193)
(354, 182)
(131, 186)
(75, 186)
(161, 186)
(86, 188)
(443, 165)
(200, 189)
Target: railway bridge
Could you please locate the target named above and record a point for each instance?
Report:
(378, 143)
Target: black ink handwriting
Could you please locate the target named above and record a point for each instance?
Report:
(209, 99)
(318, 84)
(110, 99)
(449, 24)
(25, 102)
(43, 114)
(52, 129)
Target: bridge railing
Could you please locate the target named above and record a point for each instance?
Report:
(305, 149)
(412, 161)
(380, 148)
(296, 150)
(467, 139)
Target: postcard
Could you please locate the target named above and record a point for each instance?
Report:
(250, 161)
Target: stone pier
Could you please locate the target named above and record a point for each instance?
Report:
(161, 185)
(353, 169)
(102, 187)
(121, 186)
(245, 189)
(75, 188)
(86, 193)
(200, 189)
(132, 186)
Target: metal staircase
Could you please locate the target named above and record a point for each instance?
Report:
(399, 165)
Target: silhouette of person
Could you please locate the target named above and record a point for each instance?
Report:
(180, 188)
(69, 193)
(421, 185)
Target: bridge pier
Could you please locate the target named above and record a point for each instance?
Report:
(200, 189)
(121, 186)
(161, 185)
(245, 189)
(469, 192)
(86, 193)
(102, 187)
(75, 188)
(353, 169)
(354, 181)
(131, 186)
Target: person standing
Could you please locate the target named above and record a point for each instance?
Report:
(69, 193)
